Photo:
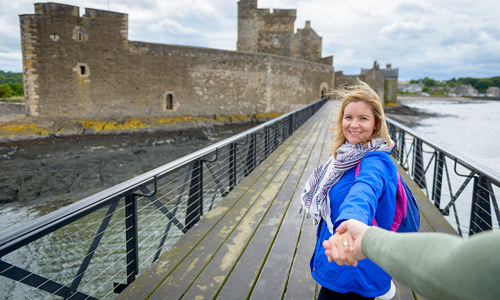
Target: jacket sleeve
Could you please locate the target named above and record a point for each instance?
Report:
(372, 189)
(438, 265)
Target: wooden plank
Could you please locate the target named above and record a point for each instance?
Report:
(249, 268)
(273, 280)
(402, 292)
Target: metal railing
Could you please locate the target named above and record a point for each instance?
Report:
(462, 191)
(97, 246)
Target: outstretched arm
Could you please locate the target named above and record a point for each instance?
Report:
(436, 265)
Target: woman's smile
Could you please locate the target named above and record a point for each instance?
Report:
(358, 123)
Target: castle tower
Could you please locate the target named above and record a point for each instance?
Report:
(306, 44)
(64, 55)
(248, 26)
(263, 30)
(383, 81)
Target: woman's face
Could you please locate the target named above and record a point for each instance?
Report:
(358, 123)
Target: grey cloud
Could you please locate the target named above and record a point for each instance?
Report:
(414, 8)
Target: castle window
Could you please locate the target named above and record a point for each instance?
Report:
(170, 102)
(276, 41)
(82, 70)
(79, 34)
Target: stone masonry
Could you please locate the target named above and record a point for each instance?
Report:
(85, 67)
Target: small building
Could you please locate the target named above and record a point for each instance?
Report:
(465, 90)
(413, 88)
(493, 91)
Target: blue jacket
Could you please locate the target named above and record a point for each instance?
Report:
(371, 194)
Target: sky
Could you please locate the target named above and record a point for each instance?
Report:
(423, 38)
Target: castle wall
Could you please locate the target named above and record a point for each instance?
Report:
(391, 91)
(85, 66)
(342, 80)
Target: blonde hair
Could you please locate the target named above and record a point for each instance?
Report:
(355, 93)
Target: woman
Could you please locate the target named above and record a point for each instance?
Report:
(334, 194)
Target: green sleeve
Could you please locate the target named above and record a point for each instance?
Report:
(438, 265)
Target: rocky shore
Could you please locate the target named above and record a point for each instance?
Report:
(406, 115)
(19, 128)
(411, 116)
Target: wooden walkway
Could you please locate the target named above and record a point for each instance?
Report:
(255, 245)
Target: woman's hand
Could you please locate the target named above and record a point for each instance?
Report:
(345, 246)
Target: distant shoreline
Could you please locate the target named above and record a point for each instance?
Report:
(417, 97)
(457, 98)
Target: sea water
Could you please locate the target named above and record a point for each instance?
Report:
(467, 128)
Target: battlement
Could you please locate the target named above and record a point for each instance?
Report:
(97, 13)
(51, 8)
(266, 12)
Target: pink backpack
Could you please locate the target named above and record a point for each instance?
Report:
(407, 215)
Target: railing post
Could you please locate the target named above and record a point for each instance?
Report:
(232, 166)
(251, 155)
(266, 141)
(195, 200)
(276, 135)
(401, 147)
(480, 219)
(418, 170)
(394, 137)
(437, 182)
(131, 237)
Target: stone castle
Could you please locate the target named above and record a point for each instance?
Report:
(86, 67)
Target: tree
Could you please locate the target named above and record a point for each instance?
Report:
(483, 84)
(429, 82)
(17, 88)
(6, 91)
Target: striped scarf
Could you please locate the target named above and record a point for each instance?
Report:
(314, 196)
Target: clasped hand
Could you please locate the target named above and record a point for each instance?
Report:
(344, 247)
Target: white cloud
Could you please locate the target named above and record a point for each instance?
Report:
(172, 27)
(448, 38)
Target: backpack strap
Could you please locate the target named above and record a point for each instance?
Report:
(401, 205)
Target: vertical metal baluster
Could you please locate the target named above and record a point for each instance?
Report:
(195, 201)
(251, 155)
(131, 237)
(232, 166)
(419, 173)
(438, 179)
(480, 219)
